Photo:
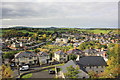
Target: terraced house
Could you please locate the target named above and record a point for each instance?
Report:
(26, 57)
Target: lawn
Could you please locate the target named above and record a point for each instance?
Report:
(27, 76)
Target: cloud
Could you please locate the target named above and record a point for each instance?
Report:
(60, 0)
(60, 13)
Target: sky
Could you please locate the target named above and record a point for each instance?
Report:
(70, 14)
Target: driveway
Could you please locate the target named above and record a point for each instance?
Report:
(42, 74)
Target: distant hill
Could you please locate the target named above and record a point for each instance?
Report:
(20, 27)
(53, 27)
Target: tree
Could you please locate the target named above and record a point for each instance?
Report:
(37, 50)
(6, 72)
(82, 46)
(35, 36)
(92, 74)
(44, 36)
(72, 72)
(72, 57)
(26, 34)
(10, 54)
(113, 68)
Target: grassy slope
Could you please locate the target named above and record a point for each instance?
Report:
(27, 76)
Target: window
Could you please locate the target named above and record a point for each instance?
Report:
(96, 66)
(30, 57)
(22, 63)
(83, 77)
(101, 66)
(30, 62)
(64, 55)
(90, 67)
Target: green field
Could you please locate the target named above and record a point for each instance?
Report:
(97, 31)
(25, 31)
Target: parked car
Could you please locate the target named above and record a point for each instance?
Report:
(51, 71)
(12, 65)
(25, 67)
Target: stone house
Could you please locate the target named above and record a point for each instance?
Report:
(43, 58)
(60, 56)
(61, 40)
(26, 57)
(90, 52)
(77, 52)
(60, 70)
(92, 63)
(85, 64)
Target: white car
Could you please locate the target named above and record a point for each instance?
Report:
(25, 67)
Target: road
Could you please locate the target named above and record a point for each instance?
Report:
(32, 68)
(42, 74)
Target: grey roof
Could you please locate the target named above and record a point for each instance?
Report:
(42, 54)
(90, 51)
(75, 51)
(92, 61)
(101, 52)
(60, 52)
(69, 63)
(72, 63)
(25, 54)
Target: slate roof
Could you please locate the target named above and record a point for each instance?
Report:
(92, 61)
(60, 52)
(90, 51)
(25, 54)
(68, 64)
(101, 52)
(75, 51)
(42, 54)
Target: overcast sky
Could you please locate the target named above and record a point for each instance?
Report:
(60, 14)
